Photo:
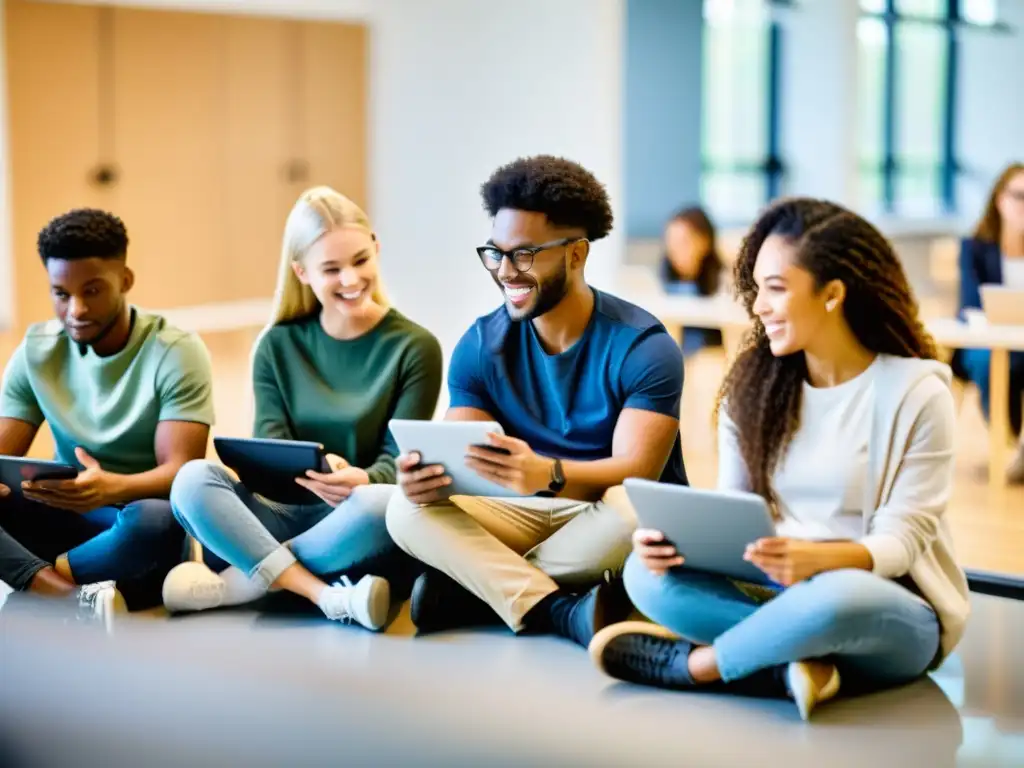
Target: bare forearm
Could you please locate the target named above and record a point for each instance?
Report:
(589, 480)
(16, 437)
(154, 484)
(836, 555)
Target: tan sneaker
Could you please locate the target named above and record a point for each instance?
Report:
(804, 689)
(1015, 472)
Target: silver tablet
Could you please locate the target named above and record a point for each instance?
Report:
(447, 443)
(711, 529)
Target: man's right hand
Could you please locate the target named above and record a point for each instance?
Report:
(421, 485)
(4, 491)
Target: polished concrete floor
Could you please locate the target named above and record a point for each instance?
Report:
(239, 688)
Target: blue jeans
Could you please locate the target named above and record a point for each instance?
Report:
(873, 629)
(976, 363)
(135, 545)
(246, 530)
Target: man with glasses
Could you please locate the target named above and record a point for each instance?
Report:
(587, 389)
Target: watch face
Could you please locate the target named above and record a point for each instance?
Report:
(557, 476)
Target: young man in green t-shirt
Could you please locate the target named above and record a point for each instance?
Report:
(128, 400)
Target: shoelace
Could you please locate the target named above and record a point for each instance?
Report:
(345, 599)
(88, 593)
(652, 658)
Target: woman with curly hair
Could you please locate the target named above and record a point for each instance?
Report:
(838, 415)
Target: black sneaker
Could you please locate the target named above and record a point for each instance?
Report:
(438, 602)
(643, 653)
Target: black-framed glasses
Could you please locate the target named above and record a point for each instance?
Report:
(522, 258)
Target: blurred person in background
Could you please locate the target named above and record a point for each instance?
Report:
(691, 265)
(994, 254)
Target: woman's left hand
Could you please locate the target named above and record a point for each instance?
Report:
(334, 486)
(787, 561)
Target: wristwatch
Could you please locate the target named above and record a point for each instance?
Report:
(557, 484)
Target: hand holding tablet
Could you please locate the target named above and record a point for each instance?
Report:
(272, 468)
(434, 466)
(335, 486)
(702, 530)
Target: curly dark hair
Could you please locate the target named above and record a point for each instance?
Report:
(83, 233)
(564, 191)
(761, 392)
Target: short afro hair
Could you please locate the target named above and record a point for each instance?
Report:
(83, 233)
(564, 191)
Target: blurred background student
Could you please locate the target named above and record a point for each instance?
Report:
(994, 254)
(691, 265)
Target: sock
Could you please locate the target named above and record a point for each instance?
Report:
(239, 588)
(539, 618)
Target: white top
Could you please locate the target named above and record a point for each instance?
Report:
(891, 496)
(820, 481)
(1013, 272)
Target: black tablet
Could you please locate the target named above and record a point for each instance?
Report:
(269, 467)
(15, 470)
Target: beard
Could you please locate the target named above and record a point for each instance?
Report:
(104, 329)
(550, 293)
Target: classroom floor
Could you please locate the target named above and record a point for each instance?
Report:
(237, 688)
(240, 688)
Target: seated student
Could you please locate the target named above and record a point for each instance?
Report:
(691, 265)
(586, 387)
(333, 367)
(838, 415)
(995, 254)
(128, 400)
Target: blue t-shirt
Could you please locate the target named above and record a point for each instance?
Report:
(567, 405)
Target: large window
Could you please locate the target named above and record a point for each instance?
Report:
(908, 55)
(741, 168)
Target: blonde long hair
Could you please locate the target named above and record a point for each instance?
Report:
(317, 211)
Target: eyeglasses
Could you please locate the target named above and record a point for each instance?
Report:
(522, 258)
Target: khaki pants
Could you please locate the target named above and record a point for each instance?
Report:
(511, 553)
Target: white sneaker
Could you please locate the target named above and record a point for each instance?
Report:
(100, 602)
(192, 586)
(805, 692)
(367, 603)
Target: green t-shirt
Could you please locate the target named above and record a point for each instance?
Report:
(311, 386)
(110, 406)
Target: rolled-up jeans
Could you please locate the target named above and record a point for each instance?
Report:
(135, 545)
(263, 538)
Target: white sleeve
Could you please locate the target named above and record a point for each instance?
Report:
(907, 524)
(732, 470)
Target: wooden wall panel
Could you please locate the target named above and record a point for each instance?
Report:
(169, 91)
(53, 116)
(257, 197)
(207, 114)
(336, 98)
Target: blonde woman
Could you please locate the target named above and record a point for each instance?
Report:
(334, 365)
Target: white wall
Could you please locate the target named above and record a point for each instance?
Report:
(460, 87)
(819, 99)
(990, 124)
